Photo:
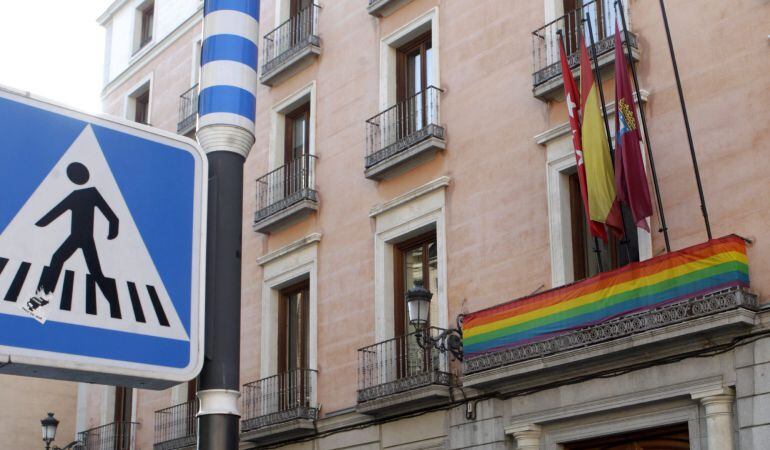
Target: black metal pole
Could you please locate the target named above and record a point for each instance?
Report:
(686, 121)
(219, 431)
(624, 242)
(643, 118)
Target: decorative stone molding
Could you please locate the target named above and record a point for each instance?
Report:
(286, 249)
(215, 138)
(527, 436)
(718, 404)
(409, 196)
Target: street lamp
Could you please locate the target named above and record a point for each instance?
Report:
(49, 425)
(418, 307)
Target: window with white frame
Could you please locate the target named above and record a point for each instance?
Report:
(575, 254)
(410, 245)
(144, 24)
(138, 103)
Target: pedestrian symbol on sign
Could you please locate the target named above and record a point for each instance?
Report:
(81, 205)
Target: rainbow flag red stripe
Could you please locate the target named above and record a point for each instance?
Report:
(709, 267)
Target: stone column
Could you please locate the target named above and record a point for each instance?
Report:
(718, 404)
(527, 436)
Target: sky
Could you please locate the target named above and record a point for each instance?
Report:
(54, 49)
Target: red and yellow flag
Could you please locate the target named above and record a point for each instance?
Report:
(572, 99)
(600, 177)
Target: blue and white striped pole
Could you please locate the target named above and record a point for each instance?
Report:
(226, 109)
(228, 75)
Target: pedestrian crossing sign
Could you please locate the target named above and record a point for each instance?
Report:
(102, 242)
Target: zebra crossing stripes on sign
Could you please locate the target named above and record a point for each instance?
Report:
(101, 236)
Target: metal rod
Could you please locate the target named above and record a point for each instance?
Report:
(596, 248)
(686, 121)
(624, 242)
(642, 116)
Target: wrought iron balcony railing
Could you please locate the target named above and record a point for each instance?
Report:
(113, 436)
(280, 398)
(285, 186)
(290, 37)
(400, 365)
(176, 427)
(545, 40)
(403, 125)
(188, 109)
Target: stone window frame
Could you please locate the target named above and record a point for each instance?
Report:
(278, 112)
(281, 268)
(406, 216)
(389, 46)
(560, 160)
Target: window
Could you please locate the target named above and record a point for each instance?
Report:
(296, 147)
(589, 254)
(415, 67)
(142, 108)
(414, 74)
(297, 140)
(293, 340)
(123, 414)
(123, 404)
(415, 260)
(146, 18)
(293, 327)
(602, 21)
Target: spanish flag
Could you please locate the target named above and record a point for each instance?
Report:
(600, 177)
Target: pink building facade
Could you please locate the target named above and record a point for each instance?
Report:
(427, 140)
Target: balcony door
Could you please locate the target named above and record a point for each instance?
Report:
(414, 74)
(301, 20)
(613, 254)
(297, 145)
(415, 260)
(123, 416)
(575, 11)
(293, 346)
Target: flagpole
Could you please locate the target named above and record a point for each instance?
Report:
(686, 121)
(642, 116)
(624, 242)
(596, 249)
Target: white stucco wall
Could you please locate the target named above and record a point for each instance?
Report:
(120, 18)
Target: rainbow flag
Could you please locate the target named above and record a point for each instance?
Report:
(702, 269)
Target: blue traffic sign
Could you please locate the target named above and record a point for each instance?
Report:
(102, 241)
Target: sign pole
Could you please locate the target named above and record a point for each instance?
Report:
(226, 133)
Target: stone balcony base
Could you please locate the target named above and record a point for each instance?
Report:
(291, 62)
(404, 402)
(384, 8)
(285, 214)
(279, 427)
(182, 443)
(425, 145)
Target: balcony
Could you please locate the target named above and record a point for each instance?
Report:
(176, 427)
(280, 407)
(383, 8)
(547, 82)
(113, 436)
(677, 303)
(291, 47)
(398, 376)
(404, 135)
(286, 195)
(188, 110)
